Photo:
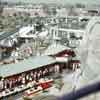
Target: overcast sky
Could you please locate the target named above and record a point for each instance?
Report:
(59, 1)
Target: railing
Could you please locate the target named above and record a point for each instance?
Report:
(83, 92)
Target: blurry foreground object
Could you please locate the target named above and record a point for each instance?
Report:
(90, 55)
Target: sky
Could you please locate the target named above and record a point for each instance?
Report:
(58, 1)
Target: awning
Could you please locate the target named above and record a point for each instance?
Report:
(25, 65)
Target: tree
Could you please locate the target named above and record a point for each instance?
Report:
(78, 5)
(1, 7)
(54, 12)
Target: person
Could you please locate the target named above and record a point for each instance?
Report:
(38, 75)
(76, 76)
(35, 76)
(23, 80)
(1, 85)
(44, 73)
(57, 68)
(35, 85)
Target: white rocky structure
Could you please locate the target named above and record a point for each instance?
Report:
(90, 55)
(90, 48)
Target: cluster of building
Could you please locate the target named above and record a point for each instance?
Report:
(37, 53)
(45, 10)
(43, 48)
(21, 10)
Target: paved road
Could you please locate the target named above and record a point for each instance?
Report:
(18, 96)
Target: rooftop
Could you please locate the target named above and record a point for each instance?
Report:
(54, 49)
(25, 65)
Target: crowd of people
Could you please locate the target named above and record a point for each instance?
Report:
(25, 78)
